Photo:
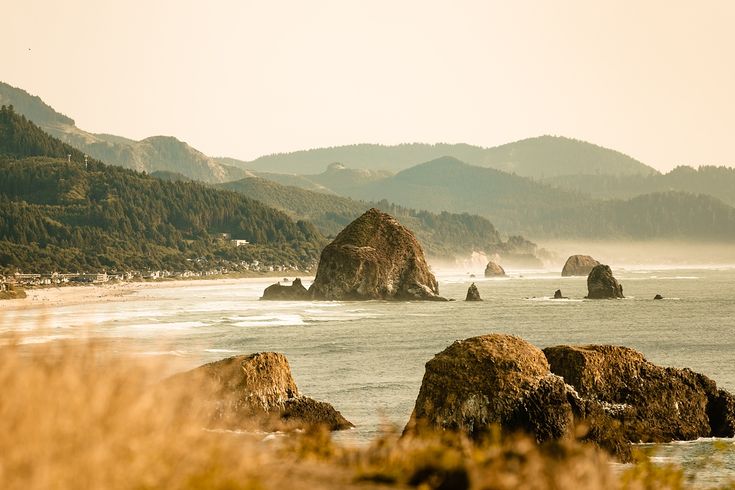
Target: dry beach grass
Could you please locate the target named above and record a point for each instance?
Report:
(72, 417)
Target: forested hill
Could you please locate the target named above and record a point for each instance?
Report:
(443, 235)
(523, 206)
(57, 215)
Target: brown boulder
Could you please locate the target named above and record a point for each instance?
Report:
(374, 257)
(602, 285)
(494, 270)
(652, 403)
(492, 379)
(578, 265)
(255, 391)
(296, 291)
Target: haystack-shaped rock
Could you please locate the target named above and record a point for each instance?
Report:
(255, 391)
(473, 294)
(492, 379)
(494, 270)
(374, 257)
(578, 265)
(277, 291)
(652, 403)
(602, 285)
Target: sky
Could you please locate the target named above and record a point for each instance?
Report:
(653, 79)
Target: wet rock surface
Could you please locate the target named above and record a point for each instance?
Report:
(277, 291)
(473, 294)
(578, 265)
(602, 285)
(374, 257)
(651, 403)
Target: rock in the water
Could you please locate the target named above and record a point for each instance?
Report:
(255, 390)
(721, 413)
(652, 403)
(578, 265)
(473, 294)
(658, 296)
(558, 295)
(494, 270)
(374, 257)
(296, 291)
(602, 285)
(492, 379)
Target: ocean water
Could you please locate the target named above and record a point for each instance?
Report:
(367, 358)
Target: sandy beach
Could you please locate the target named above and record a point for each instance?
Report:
(117, 292)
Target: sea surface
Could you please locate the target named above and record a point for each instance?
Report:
(367, 358)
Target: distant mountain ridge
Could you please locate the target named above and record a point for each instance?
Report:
(150, 154)
(539, 157)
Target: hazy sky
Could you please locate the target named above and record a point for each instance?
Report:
(654, 79)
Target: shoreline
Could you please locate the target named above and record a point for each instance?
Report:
(76, 294)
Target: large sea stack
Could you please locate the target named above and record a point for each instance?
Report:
(255, 391)
(578, 265)
(602, 285)
(374, 257)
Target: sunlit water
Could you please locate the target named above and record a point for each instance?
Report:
(367, 358)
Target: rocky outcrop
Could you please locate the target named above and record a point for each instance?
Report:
(602, 285)
(614, 392)
(658, 296)
(494, 270)
(493, 379)
(277, 291)
(255, 391)
(473, 294)
(578, 265)
(374, 257)
(651, 403)
(558, 295)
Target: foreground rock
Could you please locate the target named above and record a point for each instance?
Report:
(494, 270)
(255, 391)
(578, 265)
(613, 391)
(652, 403)
(296, 291)
(473, 294)
(492, 379)
(374, 257)
(602, 285)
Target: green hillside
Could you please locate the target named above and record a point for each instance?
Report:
(718, 182)
(57, 215)
(150, 154)
(523, 206)
(443, 235)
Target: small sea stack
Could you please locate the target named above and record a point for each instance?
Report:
(602, 285)
(279, 292)
(558, 295)
(473, 294)
(494, 270)
(658, 296)
(578, 265)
